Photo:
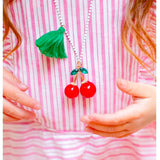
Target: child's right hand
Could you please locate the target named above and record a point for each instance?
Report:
(14, 90)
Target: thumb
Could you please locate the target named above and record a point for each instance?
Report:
(120, 117)
(135, 89)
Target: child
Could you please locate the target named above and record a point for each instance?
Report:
(40, 122)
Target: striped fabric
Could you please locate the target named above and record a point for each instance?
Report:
(8, 63)
(57, 132)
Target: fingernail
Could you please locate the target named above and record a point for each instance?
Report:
(123, 83)
(88, 130)
(38, 106)
(91, 117)
(85, 119)
(32, 117)
(23, 86)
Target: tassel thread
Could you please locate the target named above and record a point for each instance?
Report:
(51, 44)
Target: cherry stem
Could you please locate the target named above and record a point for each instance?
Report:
(75, 78)
(83, 79)
(79, 65)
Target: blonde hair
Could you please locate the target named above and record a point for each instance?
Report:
(9, 25)
(136, 12)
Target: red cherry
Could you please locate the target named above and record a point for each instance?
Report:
(88, 89)
(71, 91)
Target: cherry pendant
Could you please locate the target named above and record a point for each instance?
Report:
(71, 91)
(87, 89)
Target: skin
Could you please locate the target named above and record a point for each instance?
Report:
(120, 124)
(129, 120)
(14, 91)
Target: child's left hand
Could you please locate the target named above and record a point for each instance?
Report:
(129, 120)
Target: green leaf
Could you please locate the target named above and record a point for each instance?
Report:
(74, 72)
(84, 70)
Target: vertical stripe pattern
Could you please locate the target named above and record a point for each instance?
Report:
(47, 77)
(106, 61)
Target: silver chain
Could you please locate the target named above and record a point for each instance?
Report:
(79, 58)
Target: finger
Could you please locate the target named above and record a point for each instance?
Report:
(7, 118)
(119, 118)
(136, 89)
(13, 80)
(105, 134)
(109, 129)
(16, 112)
(17, 95)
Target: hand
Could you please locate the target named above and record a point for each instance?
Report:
(129, 120)
(14, 90)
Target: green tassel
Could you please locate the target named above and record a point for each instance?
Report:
(51, 44)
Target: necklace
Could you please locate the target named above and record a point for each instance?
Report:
(52, 45)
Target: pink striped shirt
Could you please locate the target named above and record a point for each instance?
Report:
(57, 132)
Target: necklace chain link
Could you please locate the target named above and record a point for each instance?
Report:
(79, 58)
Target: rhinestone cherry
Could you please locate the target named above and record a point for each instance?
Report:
(88, 89)
(71, 91)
